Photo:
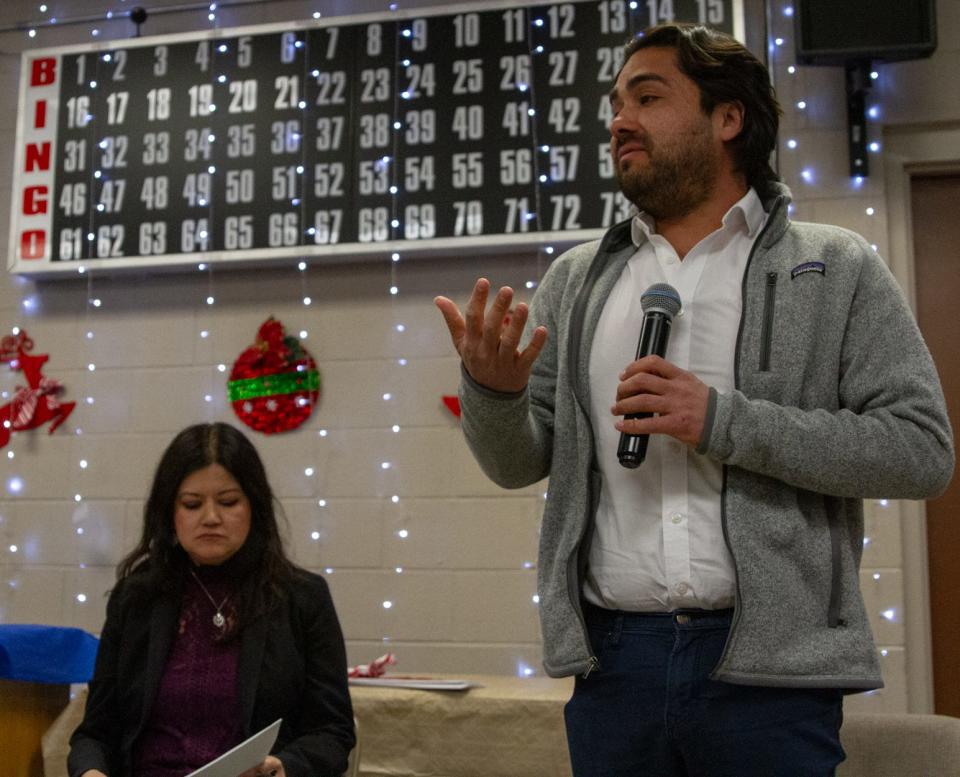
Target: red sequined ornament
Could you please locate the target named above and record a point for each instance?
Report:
(274, 384)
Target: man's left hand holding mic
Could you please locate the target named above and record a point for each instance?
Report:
(654, 385)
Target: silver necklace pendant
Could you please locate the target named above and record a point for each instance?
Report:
(218, 619)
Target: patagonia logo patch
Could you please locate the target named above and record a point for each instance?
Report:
(800, 269)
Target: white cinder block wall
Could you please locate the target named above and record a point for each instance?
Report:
(462, 580)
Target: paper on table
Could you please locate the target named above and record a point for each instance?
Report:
(244, 756)
(416, 683)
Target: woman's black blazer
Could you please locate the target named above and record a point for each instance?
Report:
(292, 666)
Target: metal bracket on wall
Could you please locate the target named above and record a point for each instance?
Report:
(858, 84)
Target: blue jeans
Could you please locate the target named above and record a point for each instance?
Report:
(651, 709)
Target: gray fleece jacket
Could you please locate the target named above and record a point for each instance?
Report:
(836, 400)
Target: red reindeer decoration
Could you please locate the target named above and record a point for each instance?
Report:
(36, 403)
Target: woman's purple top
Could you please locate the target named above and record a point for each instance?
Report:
(196, 715)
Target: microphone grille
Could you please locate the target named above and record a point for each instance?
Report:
(661, 297)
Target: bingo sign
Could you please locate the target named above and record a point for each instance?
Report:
(428, 130)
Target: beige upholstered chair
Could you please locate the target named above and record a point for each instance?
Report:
(900, 745)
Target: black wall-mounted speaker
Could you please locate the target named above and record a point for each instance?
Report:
(835, 32)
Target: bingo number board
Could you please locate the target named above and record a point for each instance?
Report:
(459, 128)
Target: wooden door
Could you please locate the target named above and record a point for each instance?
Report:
(935, 205)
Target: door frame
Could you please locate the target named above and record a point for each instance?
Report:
(914, 150)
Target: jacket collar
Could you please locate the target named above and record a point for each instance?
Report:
(614, 250)
(776, 199)
(747, 214)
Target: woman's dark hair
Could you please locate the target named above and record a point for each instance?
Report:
(725, 72)
(260, 567)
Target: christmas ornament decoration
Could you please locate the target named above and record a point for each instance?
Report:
(37, 402)
(452, 403)
(375, 668)
(274, 384)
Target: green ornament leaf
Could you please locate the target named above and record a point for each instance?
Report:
(273, 385)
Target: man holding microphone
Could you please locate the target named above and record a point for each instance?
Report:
(705, 594)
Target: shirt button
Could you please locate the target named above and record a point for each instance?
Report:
(677, 517)
(681, 588)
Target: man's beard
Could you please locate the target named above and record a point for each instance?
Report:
(674, 180)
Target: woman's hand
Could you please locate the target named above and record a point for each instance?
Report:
(270, 767)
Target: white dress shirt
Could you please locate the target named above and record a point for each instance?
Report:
(658, 540)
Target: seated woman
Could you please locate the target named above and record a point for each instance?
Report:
(212, 633)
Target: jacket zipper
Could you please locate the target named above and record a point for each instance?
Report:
(573, 581)
(592, 664)
(766, 331)
(736, 384)
(736, 572)
(573, 590)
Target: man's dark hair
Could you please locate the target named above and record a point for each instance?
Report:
(725, 72)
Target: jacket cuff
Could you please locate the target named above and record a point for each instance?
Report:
(708, 421)
(488, 392)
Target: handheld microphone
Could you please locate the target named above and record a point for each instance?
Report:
(660, 303)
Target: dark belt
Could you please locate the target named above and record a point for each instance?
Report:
(681, 617)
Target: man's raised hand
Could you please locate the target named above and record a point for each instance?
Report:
(488, 345)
